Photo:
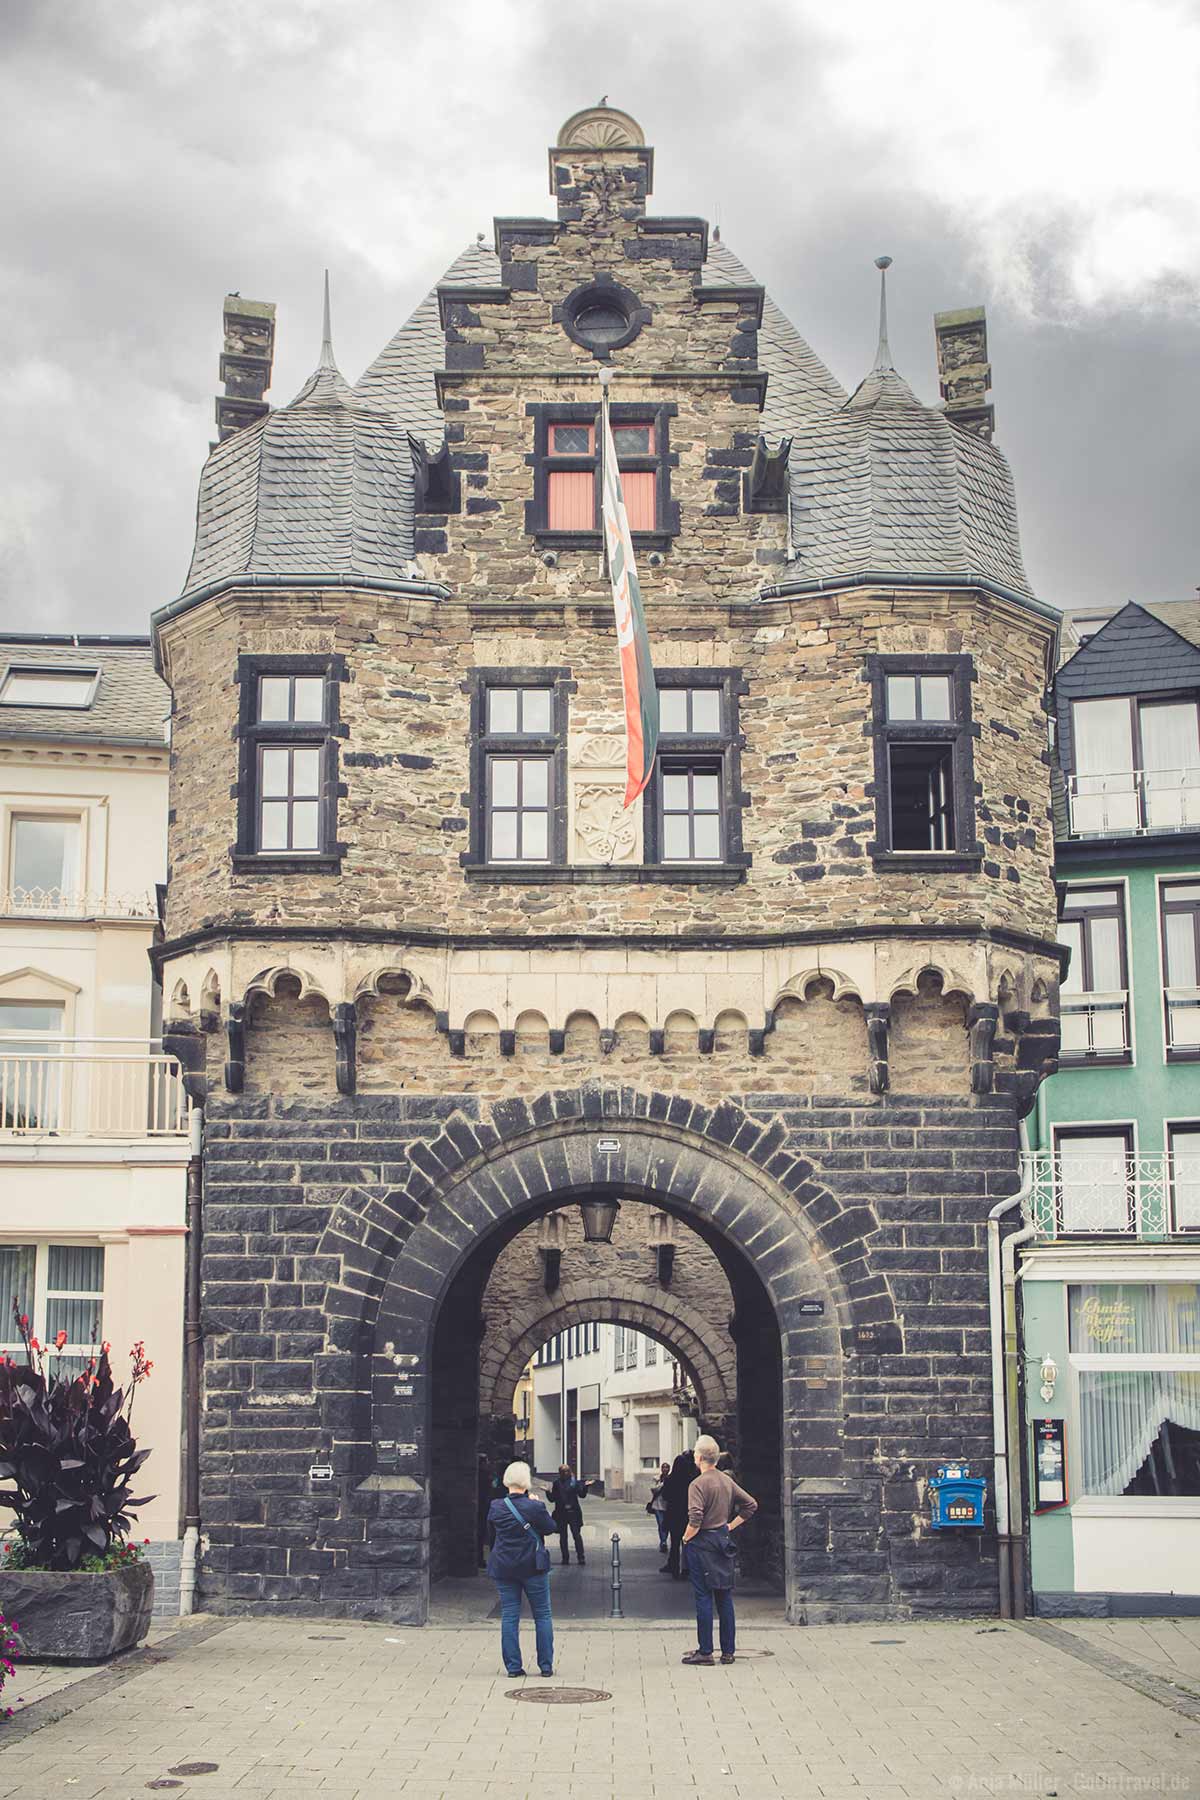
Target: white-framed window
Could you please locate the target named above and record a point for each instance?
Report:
(1135, 1353)
(44, 860)
(648, 1441)
(31, 1036)
(651, 1352)
(59, 1287)
(1183, 1143)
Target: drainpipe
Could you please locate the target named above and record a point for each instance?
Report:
(193, 1359)
(1005, 1414)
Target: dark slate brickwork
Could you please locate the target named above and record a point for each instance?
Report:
(303, 1224)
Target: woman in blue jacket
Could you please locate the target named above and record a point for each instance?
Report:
(520, 1564)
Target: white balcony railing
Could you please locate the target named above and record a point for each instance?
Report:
(89, 1088)
(1183, 1018)
(1132, 802)
(1095, 1026)
(68, 903)
(1123, 1196)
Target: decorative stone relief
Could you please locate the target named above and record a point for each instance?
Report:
(606, 830)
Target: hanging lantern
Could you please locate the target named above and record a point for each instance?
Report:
(599, 1217)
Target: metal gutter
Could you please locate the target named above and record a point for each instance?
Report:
(1003, 1434)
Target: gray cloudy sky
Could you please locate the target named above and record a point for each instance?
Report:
(158, 153)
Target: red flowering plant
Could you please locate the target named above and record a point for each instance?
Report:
(8, 1650)
(68, 1453)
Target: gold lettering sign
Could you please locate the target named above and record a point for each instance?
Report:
(1107, 1321)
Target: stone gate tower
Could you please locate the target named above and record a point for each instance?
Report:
(446, 985)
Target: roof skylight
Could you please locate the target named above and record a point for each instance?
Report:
(48, 686)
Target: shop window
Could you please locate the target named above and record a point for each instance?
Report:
(1180, 916)
(59, 1287)
(288, 735)
(1094, 994)
(1134, 1349)
(44, 862)
(567, 474)
(924, 766)
(1183, 1144)
(518, 767)
(693, 800)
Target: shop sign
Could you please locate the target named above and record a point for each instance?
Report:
(1049, 1463)
(1107, 1321)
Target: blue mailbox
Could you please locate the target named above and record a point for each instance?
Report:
(956, 1498)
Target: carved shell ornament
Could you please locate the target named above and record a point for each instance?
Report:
(607, 829)
(600, 128)
(601, 752)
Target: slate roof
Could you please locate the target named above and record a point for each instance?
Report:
(880, 482)
(323, 486)
(131, 703)
(888, 484)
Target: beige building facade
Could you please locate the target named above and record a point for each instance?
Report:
(93, 1126)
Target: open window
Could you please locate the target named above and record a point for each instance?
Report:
(924, 771)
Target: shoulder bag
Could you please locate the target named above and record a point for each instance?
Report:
(541, 1556)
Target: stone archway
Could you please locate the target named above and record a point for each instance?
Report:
(673, 1324)
(795, 1255)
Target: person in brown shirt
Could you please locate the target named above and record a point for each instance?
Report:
(717, 1507)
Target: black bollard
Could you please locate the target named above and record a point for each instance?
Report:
(616, 1612)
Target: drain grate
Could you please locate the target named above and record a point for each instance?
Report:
(164, 1781)
(558, 1696)
(194, 1768)
(326, 1637)
(889, 1640)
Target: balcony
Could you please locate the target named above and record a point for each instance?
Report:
(67, 903)
(1149, 1197)
(67, 1090)
(1095, 1028)
(1183, 1021)
(1134, 802)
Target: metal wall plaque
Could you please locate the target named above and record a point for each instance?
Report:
(812, 1306)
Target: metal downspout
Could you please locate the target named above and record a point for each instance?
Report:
(1005, 1429)
(193, 1362)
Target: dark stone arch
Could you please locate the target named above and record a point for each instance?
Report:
(676, 1326)
(797, 1257)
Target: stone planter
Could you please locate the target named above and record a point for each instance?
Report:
(72, 1617)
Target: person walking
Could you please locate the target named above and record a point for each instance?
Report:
(518, 1526)
(566, 1494)
(675, 1493)
(657, 1508)
(717, 1507)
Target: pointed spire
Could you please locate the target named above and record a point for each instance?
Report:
(883, 356)
(327, 361)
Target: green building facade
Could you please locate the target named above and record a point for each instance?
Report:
(1109, 1276)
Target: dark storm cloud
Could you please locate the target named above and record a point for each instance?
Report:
(158, 155)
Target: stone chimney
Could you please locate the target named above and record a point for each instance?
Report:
(245, 363)
(964, 372)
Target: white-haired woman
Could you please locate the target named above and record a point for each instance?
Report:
(520, 1564)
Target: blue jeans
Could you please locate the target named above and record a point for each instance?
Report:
(538, 1589)
(705, 1596)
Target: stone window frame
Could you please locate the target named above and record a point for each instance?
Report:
(663, 460)
(323, 734)
(602, 290)
(483, 744)
(960, 733)
(722, 750)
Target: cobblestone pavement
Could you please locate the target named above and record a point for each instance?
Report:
(345, 1711)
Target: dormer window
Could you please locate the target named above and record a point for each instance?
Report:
(567, 477)
(48, 685)
(1136, 766)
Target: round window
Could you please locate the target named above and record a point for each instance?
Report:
(602, 316)
(601, 324)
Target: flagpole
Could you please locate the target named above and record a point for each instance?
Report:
(605, 377)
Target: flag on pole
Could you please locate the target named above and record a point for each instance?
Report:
(637, 670)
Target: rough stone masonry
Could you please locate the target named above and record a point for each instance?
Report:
(796, 998)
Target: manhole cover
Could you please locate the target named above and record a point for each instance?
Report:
(164, 1781)
(197, 1768)
(887, 1640)
(559, 1696)
(326, 1637)
(745, 1655)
